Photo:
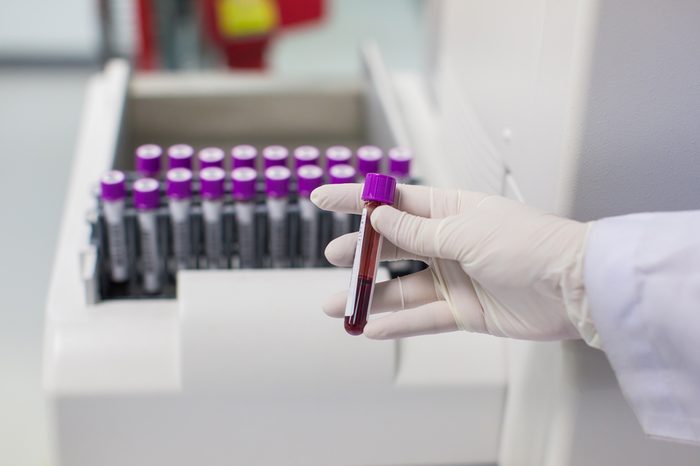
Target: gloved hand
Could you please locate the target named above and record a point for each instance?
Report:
(495, 266)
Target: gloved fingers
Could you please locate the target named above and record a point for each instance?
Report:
(434, 317)
(412, 233)
(341, 251)
(347, 198)
(401, 293)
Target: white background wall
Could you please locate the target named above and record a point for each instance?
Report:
(48, 29)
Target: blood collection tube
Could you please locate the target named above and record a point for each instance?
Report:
(274, 156)
(243, 192)
(212, 191)
(113, 193)
(338, 155)
(377, 190)
(400, 163)
(277, 190)
(306, 155)
(180, 156)
(243, 155)
(211, 157)
(146, 201)
(336, 175)
(368, 160)
(309, 178)
(179, 192)
(148, 160)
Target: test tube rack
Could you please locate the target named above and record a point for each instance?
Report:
(100, 287)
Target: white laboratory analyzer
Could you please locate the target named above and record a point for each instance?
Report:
(576, 107)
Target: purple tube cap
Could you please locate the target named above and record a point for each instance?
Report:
(179, 183)
(146, 193)
(211, 157)
(342, 173)
(212, 182)
(148, 158)
(400, 161)
(275, 156)
(379, 188)
(368, 159)
(306, 155)
(180, 156)
(336, 155)
(309, 177)
(244, 155)
(113, 186)
(244, 179)
(277, 181)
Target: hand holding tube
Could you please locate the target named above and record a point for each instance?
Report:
(495, 266)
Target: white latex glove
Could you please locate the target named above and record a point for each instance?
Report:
(495, 266)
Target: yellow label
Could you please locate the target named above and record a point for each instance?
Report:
(242, 18)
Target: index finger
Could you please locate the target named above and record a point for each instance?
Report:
(346, 198)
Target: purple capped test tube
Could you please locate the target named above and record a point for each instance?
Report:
(148, 159)
(275, 156)
(211, 157)
(400, 163)
(113, 194)
(338, 155)
(277, 190)
(243, 155)
(146, 201)
(180, 156)
(338, 174)
(179, 192)
(243, 193)
(369, 159)
(377, 190)
(306, 155)
(212, 191)
(309, 177)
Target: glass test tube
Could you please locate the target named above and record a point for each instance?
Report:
(306, 155)
(179, 202)
(277, 190)
(212, 191)
(377, 190)
(148, 160)
(113, 193)
(243, 192)
(274, 156)
(338, 155)
(146, 201)
(400, 163)
(180, 156)
(243, 156)
(309, 178)
(336, 175)
(211, 157)
(369, 159)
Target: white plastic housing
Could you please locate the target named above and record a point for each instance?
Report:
(243, 367)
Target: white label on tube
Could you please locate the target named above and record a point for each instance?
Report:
(309, 231)
(341, 224)
(213, 240)
(150, 261)
(277, 211)
(116, 240)
(350, 303)
(245, 222)
(182, 242)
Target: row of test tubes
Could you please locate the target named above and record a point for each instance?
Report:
(211, 186)
(367, 159)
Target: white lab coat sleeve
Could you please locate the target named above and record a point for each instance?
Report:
(642, 277)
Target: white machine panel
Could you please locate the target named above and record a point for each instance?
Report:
(243, 367)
